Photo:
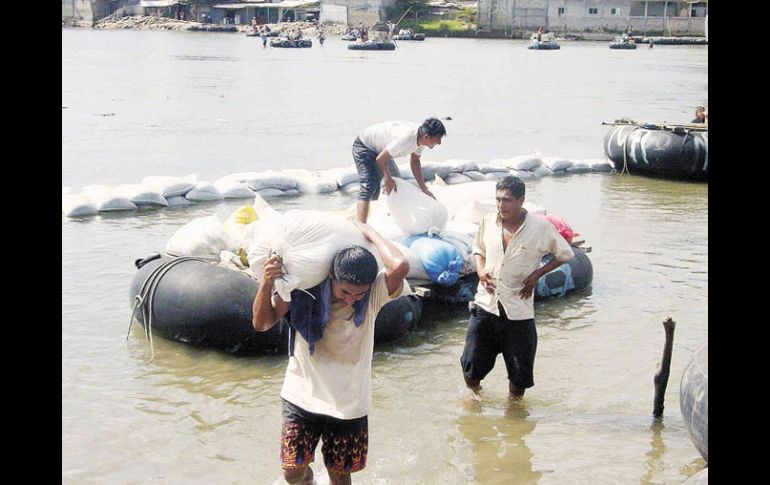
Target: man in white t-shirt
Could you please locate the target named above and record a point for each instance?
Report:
(508, 249)
(375, 148)
(327, 389)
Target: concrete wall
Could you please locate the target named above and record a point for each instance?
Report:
(336, 14)
(511, 14)
(519, 18)
(85, 13)
(589, 15)
(366, 11)
(78, 12)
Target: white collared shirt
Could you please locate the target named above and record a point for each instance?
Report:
(534, 239)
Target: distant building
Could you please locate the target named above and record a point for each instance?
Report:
(518, 18)
(85, 13)
(353, 12)
(266, 11)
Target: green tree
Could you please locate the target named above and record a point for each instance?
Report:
(401, 6)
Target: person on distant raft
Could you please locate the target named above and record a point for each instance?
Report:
(375, 148)
(327, 390)
(701, 115)
(508, 249)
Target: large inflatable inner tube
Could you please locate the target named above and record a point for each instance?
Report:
(291, 43)
(694, 399)
(204, 305)
(397, 319)
(374, 46)
(658, 152)
(575, 274)
(545, 46)
(622, 45)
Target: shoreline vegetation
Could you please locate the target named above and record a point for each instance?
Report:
(458, 27)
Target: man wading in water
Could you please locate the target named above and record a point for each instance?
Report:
(327, 390)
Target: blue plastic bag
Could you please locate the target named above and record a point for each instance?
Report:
(441, 260)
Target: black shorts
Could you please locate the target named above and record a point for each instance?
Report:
(345, 446)
(489, 335)
(369, 173)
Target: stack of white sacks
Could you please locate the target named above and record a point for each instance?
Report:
(166, 191)
(303, 238)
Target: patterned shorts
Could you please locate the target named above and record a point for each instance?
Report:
(345, 441)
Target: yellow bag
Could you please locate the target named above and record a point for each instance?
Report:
(244, 215)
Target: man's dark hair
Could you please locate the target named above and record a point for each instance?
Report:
(432, 127)
(512, 183)
(355, 265)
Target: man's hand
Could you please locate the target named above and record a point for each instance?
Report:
(529, 285)
(390, 184)
(365, 230)
(272, 269)
(488, 282)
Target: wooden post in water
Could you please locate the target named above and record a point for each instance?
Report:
(661, 375)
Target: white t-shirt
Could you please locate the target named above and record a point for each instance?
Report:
(337, 379)
(399, 137)
(534, 239)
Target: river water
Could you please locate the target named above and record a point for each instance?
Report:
(173, 103)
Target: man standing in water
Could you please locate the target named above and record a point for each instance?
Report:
(508, 249)
(376, 147)
(327, 390)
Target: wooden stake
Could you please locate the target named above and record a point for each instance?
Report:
(664, 367)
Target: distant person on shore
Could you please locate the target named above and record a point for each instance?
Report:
(701, 115)
(254, 24)
(375, 148)
(508, 249)
(321, 36)
(263, 36)
(540, 33)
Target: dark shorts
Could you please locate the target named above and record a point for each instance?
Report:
(345, 446)
(369, 173)
(489, 335)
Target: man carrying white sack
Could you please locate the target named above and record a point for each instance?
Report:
(376, 147)
(327, 389)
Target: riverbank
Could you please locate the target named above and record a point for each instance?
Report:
(442, 28)
(139, 22)
(143, 22)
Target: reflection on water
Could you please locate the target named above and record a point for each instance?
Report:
(656, 463)
(496, 433)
